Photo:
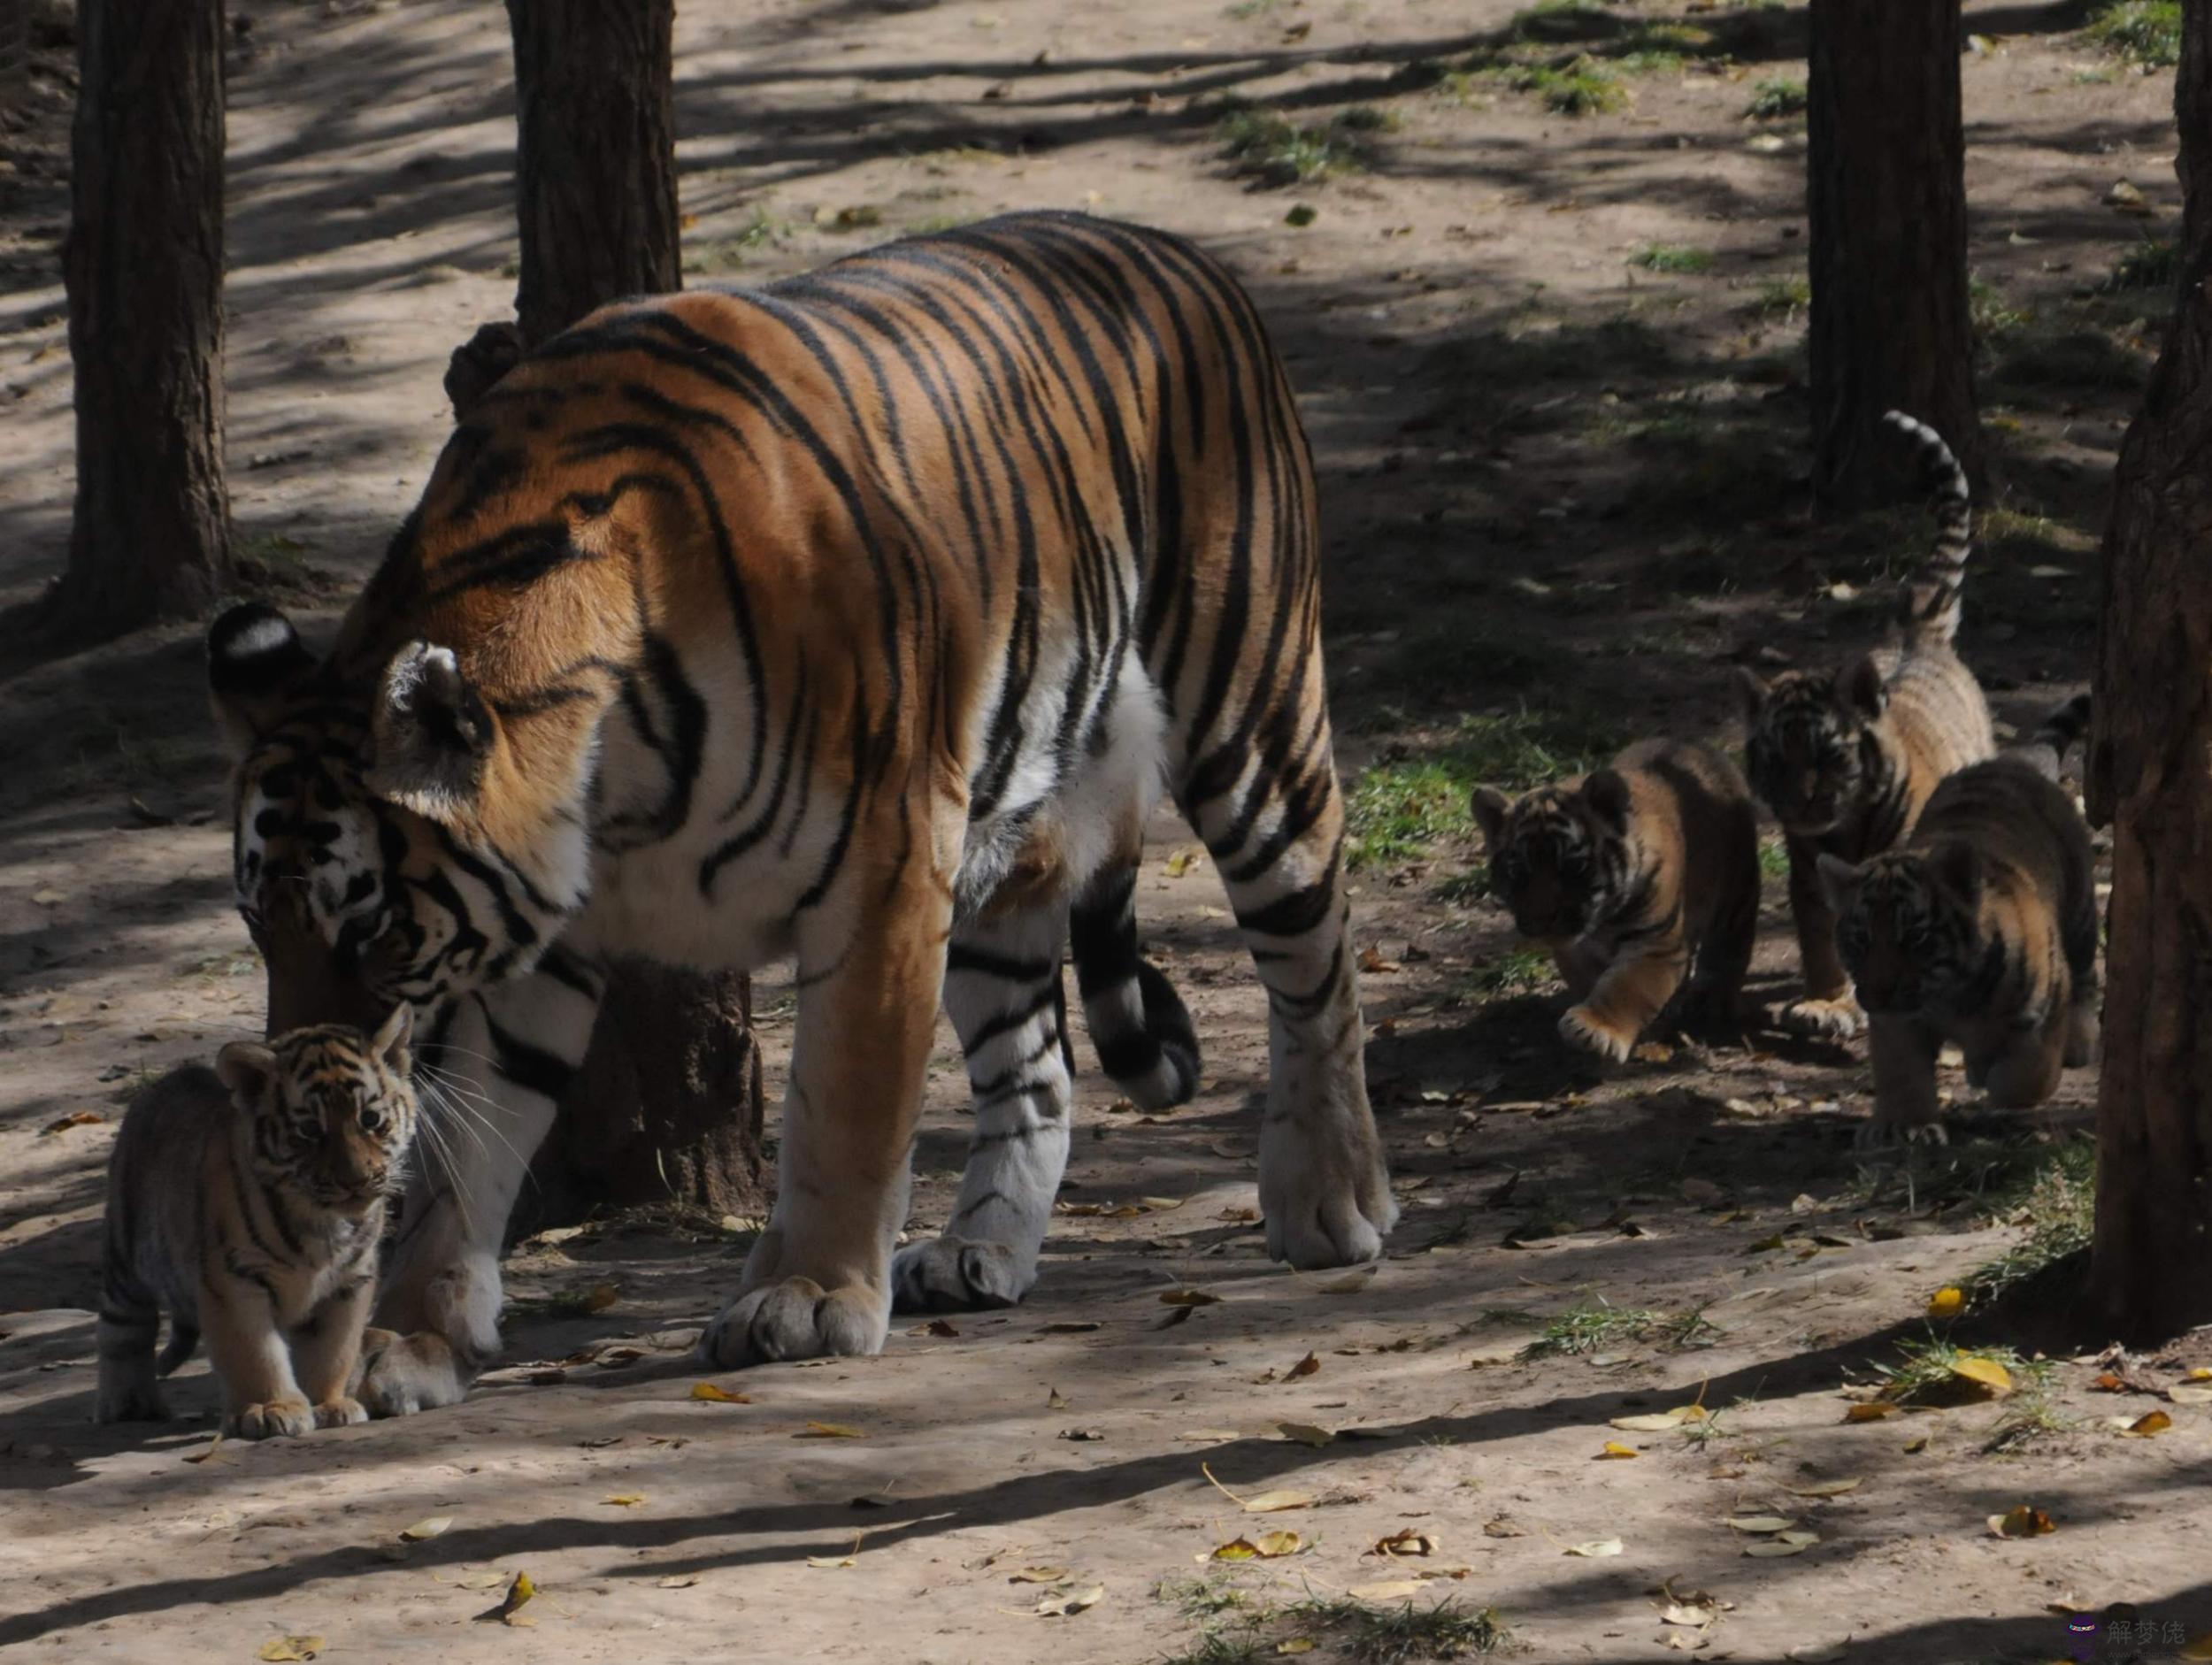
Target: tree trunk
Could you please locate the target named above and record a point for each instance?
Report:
(1885, 194)
(596, 173)
(144, 270)
(668, 1106)
(2150, 778)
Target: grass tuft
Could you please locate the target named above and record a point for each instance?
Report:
(2146, 32)
(1776, 98)
(1405, 803)
(1517, 970)
(1272, 148)
(2153, 264)
(1672, 258)
(1237, 1628)
(2057, 1204)
(1581, 88)
(1589, 1326)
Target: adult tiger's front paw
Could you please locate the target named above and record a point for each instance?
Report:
(1838, 1019)
(955, 1274)
(271, 1419)
(341, 1413)
(401, 1375)
(1585, 1032)
(1324, 1193)
(797, 1318)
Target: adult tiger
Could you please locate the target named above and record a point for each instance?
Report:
(854, 620)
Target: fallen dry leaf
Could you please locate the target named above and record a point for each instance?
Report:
(1308, 1366)
(2143, 1427)
(935, 1327)
(1694, 1614)
(1872, 1411)
(1209, 1436)
(828, 1430)
(430, 1528)
(290, 1648)
(510, 1605)
(490, 1578)
(1038, 1576)
(1659, 1421)
(1790, 1543)
(1501, 1528)
(2189, 1393)
(1264, 1503)
(75, 1118)
(1760, 1523)
(1306, 1434)
(676, 1581)
(1914, 1447)
(1066, 1604)
(1613, 1452)
(1405, 1542)
(1055, 1400)
(624, 1499)
(206, 1451)
(2021, 1521)
(718, 1395)
(1826, 1488)
(1947, 1303)
(1180, 863)
(599, 1297)
(1304, 1644)
(1189, 1298)
(1596, 1549)
(1986, 1373)
(1348, 1283)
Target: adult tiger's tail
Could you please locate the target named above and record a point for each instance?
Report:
(1139, 1024)
(2061, 729)
(1932, 599)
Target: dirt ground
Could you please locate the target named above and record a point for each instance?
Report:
(1552, 366)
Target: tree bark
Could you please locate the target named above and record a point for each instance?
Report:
(144, 271)
(596, 173)
(2150, 776)
(668, 1107)
(1886, 196)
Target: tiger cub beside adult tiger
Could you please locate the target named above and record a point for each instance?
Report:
(1981, 930)
(1848, 760)
(855, 621)
(1641, 879)
(248, 1200)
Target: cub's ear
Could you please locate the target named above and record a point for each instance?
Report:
(391, 1039)
(1957, 867)
(1839, 879)
(430, 736)
(1607, 793)
(1862, 691)
(1491, 808)
(255, 664)
(246, 1068)
(1751, 693)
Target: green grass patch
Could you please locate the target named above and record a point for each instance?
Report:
(1403, 805)
(1776, 98)
(2153, 264)
(1672, 258)
(1240, 1628)
(1271, 147)
(2146, 31)
(1994, 317)
(1519, 971)
(1581, 88)
(1591, 1326)
(1774, 859)
(2055, 1203)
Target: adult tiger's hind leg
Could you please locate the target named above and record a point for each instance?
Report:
(1004, 993)
(1279, 846)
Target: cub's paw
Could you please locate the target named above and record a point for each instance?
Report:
(129, 1402)
(953, 1274)
(341, 1413)
(1879, 1135)
(1820, 1020)
(401, 1375)
(271, 1419)
(796, 1319)
(1325, 1194)
(1585, 1031)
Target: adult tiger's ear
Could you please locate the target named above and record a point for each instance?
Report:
(431, 733)
(1957, 867)
(1838, 881)
(390, 1041)
(1491, 808)
(1607, 793)
(255, 664)
(1863, 690)
(1751, 693)
(247, 1067)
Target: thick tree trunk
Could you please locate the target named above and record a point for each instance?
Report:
(2150, 778)
(668, 1106)
(596, 174)
(144, 270)
(1885, 194)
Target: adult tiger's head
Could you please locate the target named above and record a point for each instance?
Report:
(1812, 742)
(1559, 857)
(365, 865)
(1909, 925)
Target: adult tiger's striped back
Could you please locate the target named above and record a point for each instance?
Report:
(855, 620)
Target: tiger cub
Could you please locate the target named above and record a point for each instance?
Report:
(1846, 762)
(1638, 878)
(1981, 930)
(248, 1200)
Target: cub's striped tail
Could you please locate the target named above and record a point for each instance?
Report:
(1139, 1024)
(2062, 728)
(1931, 602)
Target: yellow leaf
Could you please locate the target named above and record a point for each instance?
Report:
(1613, 1452)
(1180, 863)
(518, 1594)
(1390, 1590)
(1276, 1502)
(1987, 1372)
(290, 1648)
(1038, 1576)
(1055, 1400)
(206, 1451)
(1596, 1549)
(1189, 1298)
(1826, 1488)
(677, 1581)
(829, 1562)
(2021, 1521)
(1872, 1411)
(1913, 1446)
(1693, 1615)
(1274, 1546)
(1065, 1604)
(625, 1499)
(75, 1118)
(828, 1430)
(1235, 1549)
(2150, 1423)
(2201, 1373)
(1306, 1434)
(1304, 1645)
(1947, 1303)
(1307, 1366)
(430, 1528)
(717, 1395)
(1406, 1542)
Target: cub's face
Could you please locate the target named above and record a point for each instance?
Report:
(1558, 857)
(1908, 925)
(330, 1111)
(1805, 754)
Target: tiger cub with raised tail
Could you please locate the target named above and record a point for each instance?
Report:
(1641, 878)
(248, 1200)
(1982, 931)
(1846, 762)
